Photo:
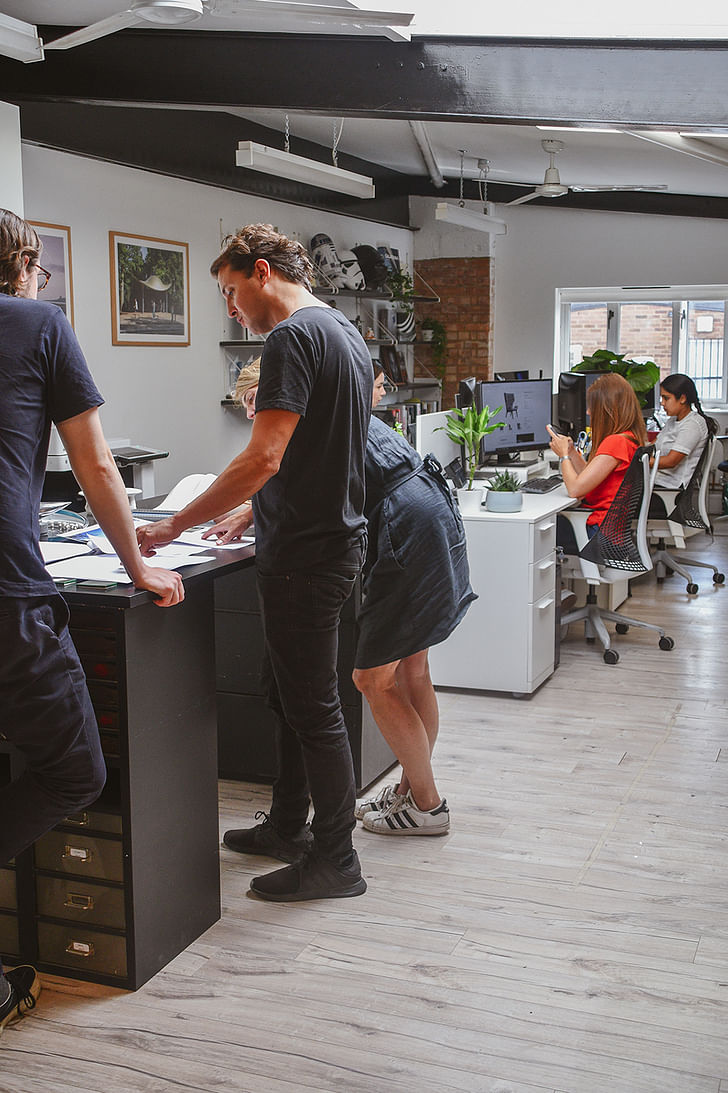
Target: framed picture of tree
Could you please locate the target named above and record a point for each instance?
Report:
(56, 258)
(150, 291)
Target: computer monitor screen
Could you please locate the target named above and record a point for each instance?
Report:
(525, 413)
(466, 393)
(571, 412)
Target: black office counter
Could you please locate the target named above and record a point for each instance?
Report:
(116, 892)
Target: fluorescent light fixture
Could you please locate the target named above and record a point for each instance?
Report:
(578, 129)
(274, 161)
(713, 134)
(464, 218)
(19, 40)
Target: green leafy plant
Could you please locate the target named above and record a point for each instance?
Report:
(468, 427)
(438, 341)
(640, 375)
(505, 482)
(402, 287)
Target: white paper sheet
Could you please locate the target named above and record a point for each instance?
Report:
(193, 537)
(54, 552)
(107, 568)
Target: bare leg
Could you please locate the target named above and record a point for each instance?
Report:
(406, 714)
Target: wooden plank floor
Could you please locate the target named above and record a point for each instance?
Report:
(569, 936)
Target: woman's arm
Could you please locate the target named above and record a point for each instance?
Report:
(580, 483)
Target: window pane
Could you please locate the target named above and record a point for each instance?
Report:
(588, 330)
(645, 333)
(704, 357)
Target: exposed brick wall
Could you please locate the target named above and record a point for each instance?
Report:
(466, 290)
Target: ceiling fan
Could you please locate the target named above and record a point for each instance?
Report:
(552, 185)
(274, 13)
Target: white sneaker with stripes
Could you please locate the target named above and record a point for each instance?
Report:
(403, 817)
(383, 800)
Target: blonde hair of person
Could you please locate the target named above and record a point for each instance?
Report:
(247, 377)
(614, 408)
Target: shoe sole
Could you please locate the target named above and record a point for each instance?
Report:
(357, 889)
(407, 830)
(8, 1019)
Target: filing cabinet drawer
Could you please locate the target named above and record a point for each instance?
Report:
(84, 950)
(542, 577)
(543, 621)
(104, 694)
(94, 642)
(93, 819)
(9, 941)
(80, 901)
(8, 891)
(99, 668)
(544, 537)
(110, 744)
(80, 854)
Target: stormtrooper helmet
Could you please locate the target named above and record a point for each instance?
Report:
(353, 276)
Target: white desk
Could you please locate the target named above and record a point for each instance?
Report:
(506, 641)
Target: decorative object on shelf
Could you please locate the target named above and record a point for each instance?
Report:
(401, 285)
(373, 267)
(504, 493)
(56, 240)
(640, 375)
(434, 332)
(393, 364)
(326, 261)
(467, 428)
(351, 271)
(150, 294)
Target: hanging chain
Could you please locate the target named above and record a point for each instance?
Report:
(461, 202)
(287, 143)
(484, 167)
(335, 138)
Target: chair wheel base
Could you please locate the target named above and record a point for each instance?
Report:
(718, 578)
(611, 656)
(666, 643)
(692, 589)
(621, 628)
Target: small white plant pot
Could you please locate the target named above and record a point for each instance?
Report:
(469, 500)
(503, 502)
(427, 335)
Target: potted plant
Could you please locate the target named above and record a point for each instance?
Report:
(402, 288)
(504, 493)
(640, 375)
(467, 428)
(434, 332)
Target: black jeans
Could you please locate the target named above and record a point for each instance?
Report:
(301, 614)
(46, 712)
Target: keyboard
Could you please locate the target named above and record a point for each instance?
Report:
(541, 485)
(153, 514)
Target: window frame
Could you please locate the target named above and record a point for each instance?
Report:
(680, 296)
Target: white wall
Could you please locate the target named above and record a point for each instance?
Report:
(11, 175)
(550, 248)
(165, 397)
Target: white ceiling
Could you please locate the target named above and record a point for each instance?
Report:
(514, 152)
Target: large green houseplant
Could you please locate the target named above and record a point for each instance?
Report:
(640, 375)
(468, 427)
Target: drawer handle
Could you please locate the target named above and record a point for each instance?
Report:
(77, 853)
(80, 948)
(78, 818)
(79, 901)
(546, 565)
(545, 606)
(546, 527)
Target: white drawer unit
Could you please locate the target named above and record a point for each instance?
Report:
(506, 640)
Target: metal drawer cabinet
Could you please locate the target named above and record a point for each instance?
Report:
(8, 891)
(76, 946)
(9, 942)
(80, 901)
(79, 853)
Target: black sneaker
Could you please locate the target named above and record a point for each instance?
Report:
(263, 839)
(311, 877)
(24, 989)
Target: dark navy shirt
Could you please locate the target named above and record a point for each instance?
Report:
(43, 378)
(316, 364)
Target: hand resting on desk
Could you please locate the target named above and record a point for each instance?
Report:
(231, 527)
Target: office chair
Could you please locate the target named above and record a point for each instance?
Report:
(688, 516)
(619, 547)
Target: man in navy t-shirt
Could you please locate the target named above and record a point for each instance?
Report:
(45, 710)
(304, 469)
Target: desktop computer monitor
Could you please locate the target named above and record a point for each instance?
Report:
(526, 411)
(466, 393)
(571, 412)
(509, 377)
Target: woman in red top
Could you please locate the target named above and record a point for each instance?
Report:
(617, 431)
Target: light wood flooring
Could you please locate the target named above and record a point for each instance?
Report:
(569, 936)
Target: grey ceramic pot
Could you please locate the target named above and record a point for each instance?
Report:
(503, 502)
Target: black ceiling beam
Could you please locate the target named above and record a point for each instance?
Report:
(645, 84)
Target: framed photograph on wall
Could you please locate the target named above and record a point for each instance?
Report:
(56, 258)
(150, 291)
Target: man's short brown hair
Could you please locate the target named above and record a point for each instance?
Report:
(17, 239)
(286, 256)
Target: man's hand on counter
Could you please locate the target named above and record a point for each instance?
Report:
(153, 535)
(231, 527)
(165, 584)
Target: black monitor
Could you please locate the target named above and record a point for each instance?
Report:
(525, 413)
(571, 413)
(509, 377)
(466, 393)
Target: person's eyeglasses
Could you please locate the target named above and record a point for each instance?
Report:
(43, 277)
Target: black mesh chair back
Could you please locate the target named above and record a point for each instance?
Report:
(615, 543)
(687, 502)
